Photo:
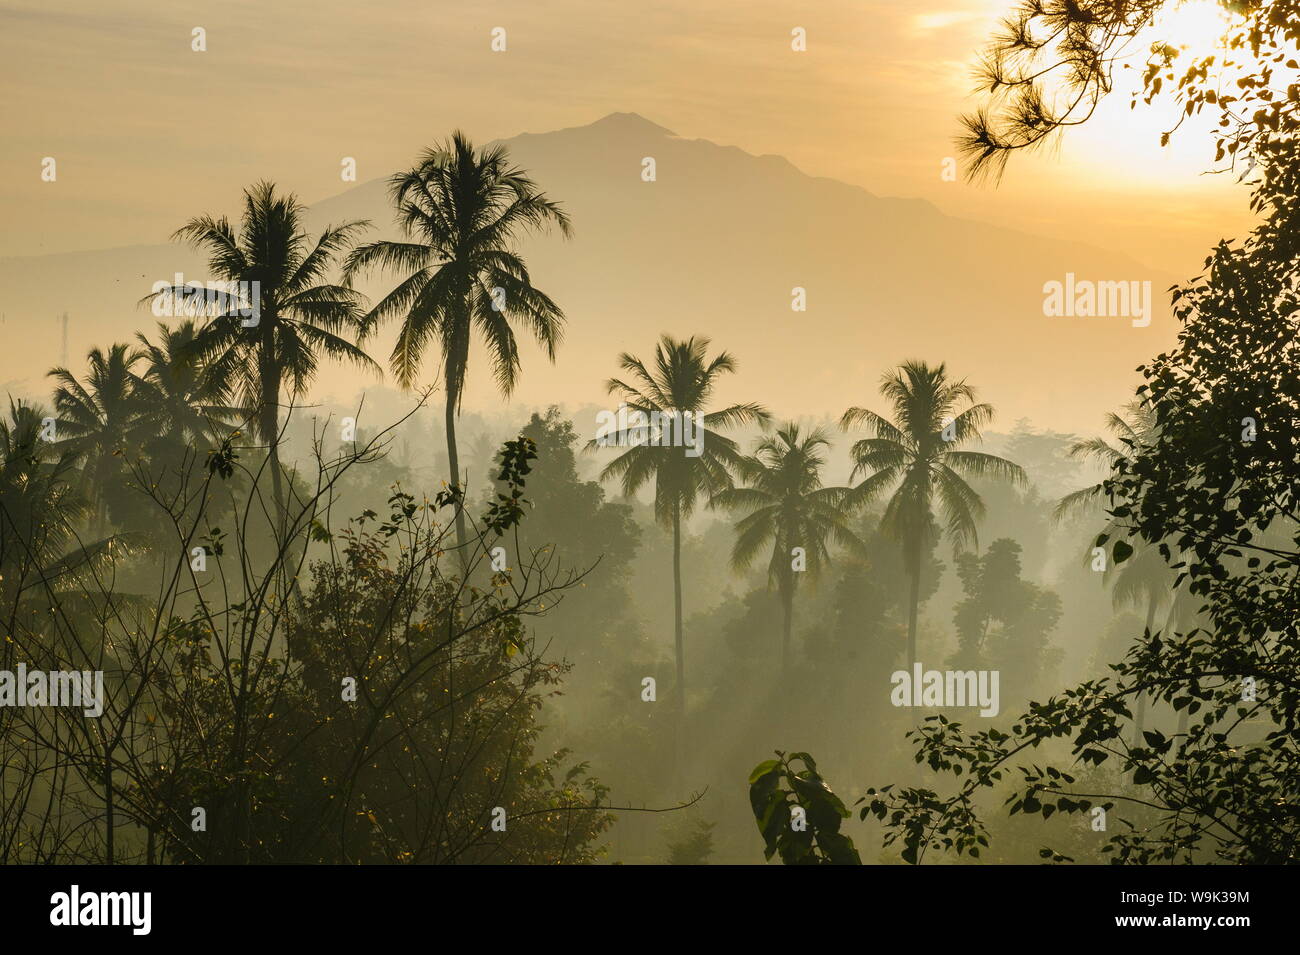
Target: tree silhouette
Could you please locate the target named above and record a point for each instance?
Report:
(788, 508)
(1214, 492)
(46, 566)
(300, 315)
(1134, 427)
(40, 501)
(919, 455)
(462, 211)
(99, 418)
(180, 398)
(682, 380)
(1143, 579)
(1051, 64)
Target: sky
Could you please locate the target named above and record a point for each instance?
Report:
(146, 131)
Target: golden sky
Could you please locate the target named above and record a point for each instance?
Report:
(147, 132)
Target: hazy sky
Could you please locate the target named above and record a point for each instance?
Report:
(147, 132)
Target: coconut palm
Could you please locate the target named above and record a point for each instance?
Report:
(43, 559)
(920, 455)
(298, 316)
(1135, 429)
(182, 400)
(461, 212)
(99, 419)
(40, 501)
(1145, 577)
(483, 455)
(788, 508)
(681, 380)
(55, 586)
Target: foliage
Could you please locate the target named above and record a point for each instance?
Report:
(1209, 486)
(1004, 621)
(299, 314)
(798, 814)
(223, 695)
(461, 211)
(694, 846)
(682, 381)
(920, 455)
(788, 508)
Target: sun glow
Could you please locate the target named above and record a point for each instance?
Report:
(1121, 145)
(1196, 26)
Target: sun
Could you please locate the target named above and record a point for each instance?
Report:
(1196, 26)
(1120, 145)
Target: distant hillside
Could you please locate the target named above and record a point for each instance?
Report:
(714, 246)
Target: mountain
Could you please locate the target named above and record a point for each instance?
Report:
(713, 246)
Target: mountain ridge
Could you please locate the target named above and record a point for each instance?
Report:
(715, 245)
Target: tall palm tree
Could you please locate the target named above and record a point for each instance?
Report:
(1145, 577)
(300, 315)
(788, 508)
(682, 380)
(920, 455)
(182, 399)
(99, 419)
(462, 211)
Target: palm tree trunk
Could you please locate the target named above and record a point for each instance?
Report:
(101, 514)
(270, 421)
(277, 485)
(1139, 718)
(787, 605)
(679, 642)
(453, 465)
(913, 605)
(99, 519)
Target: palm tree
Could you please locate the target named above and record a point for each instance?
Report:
(99, 419)
(298, 314)
(40, 502)
(483, 455)
(44, 562)
(1135, 429)
(461, 211)
(682, 381)
(1145, 577)
(788, 508)
(181, 399)
(919, 454)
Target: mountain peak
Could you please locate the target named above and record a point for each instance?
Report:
(628, 122)
(615, 126)
(632, 121)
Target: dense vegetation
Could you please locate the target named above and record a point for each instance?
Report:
(463, 637)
